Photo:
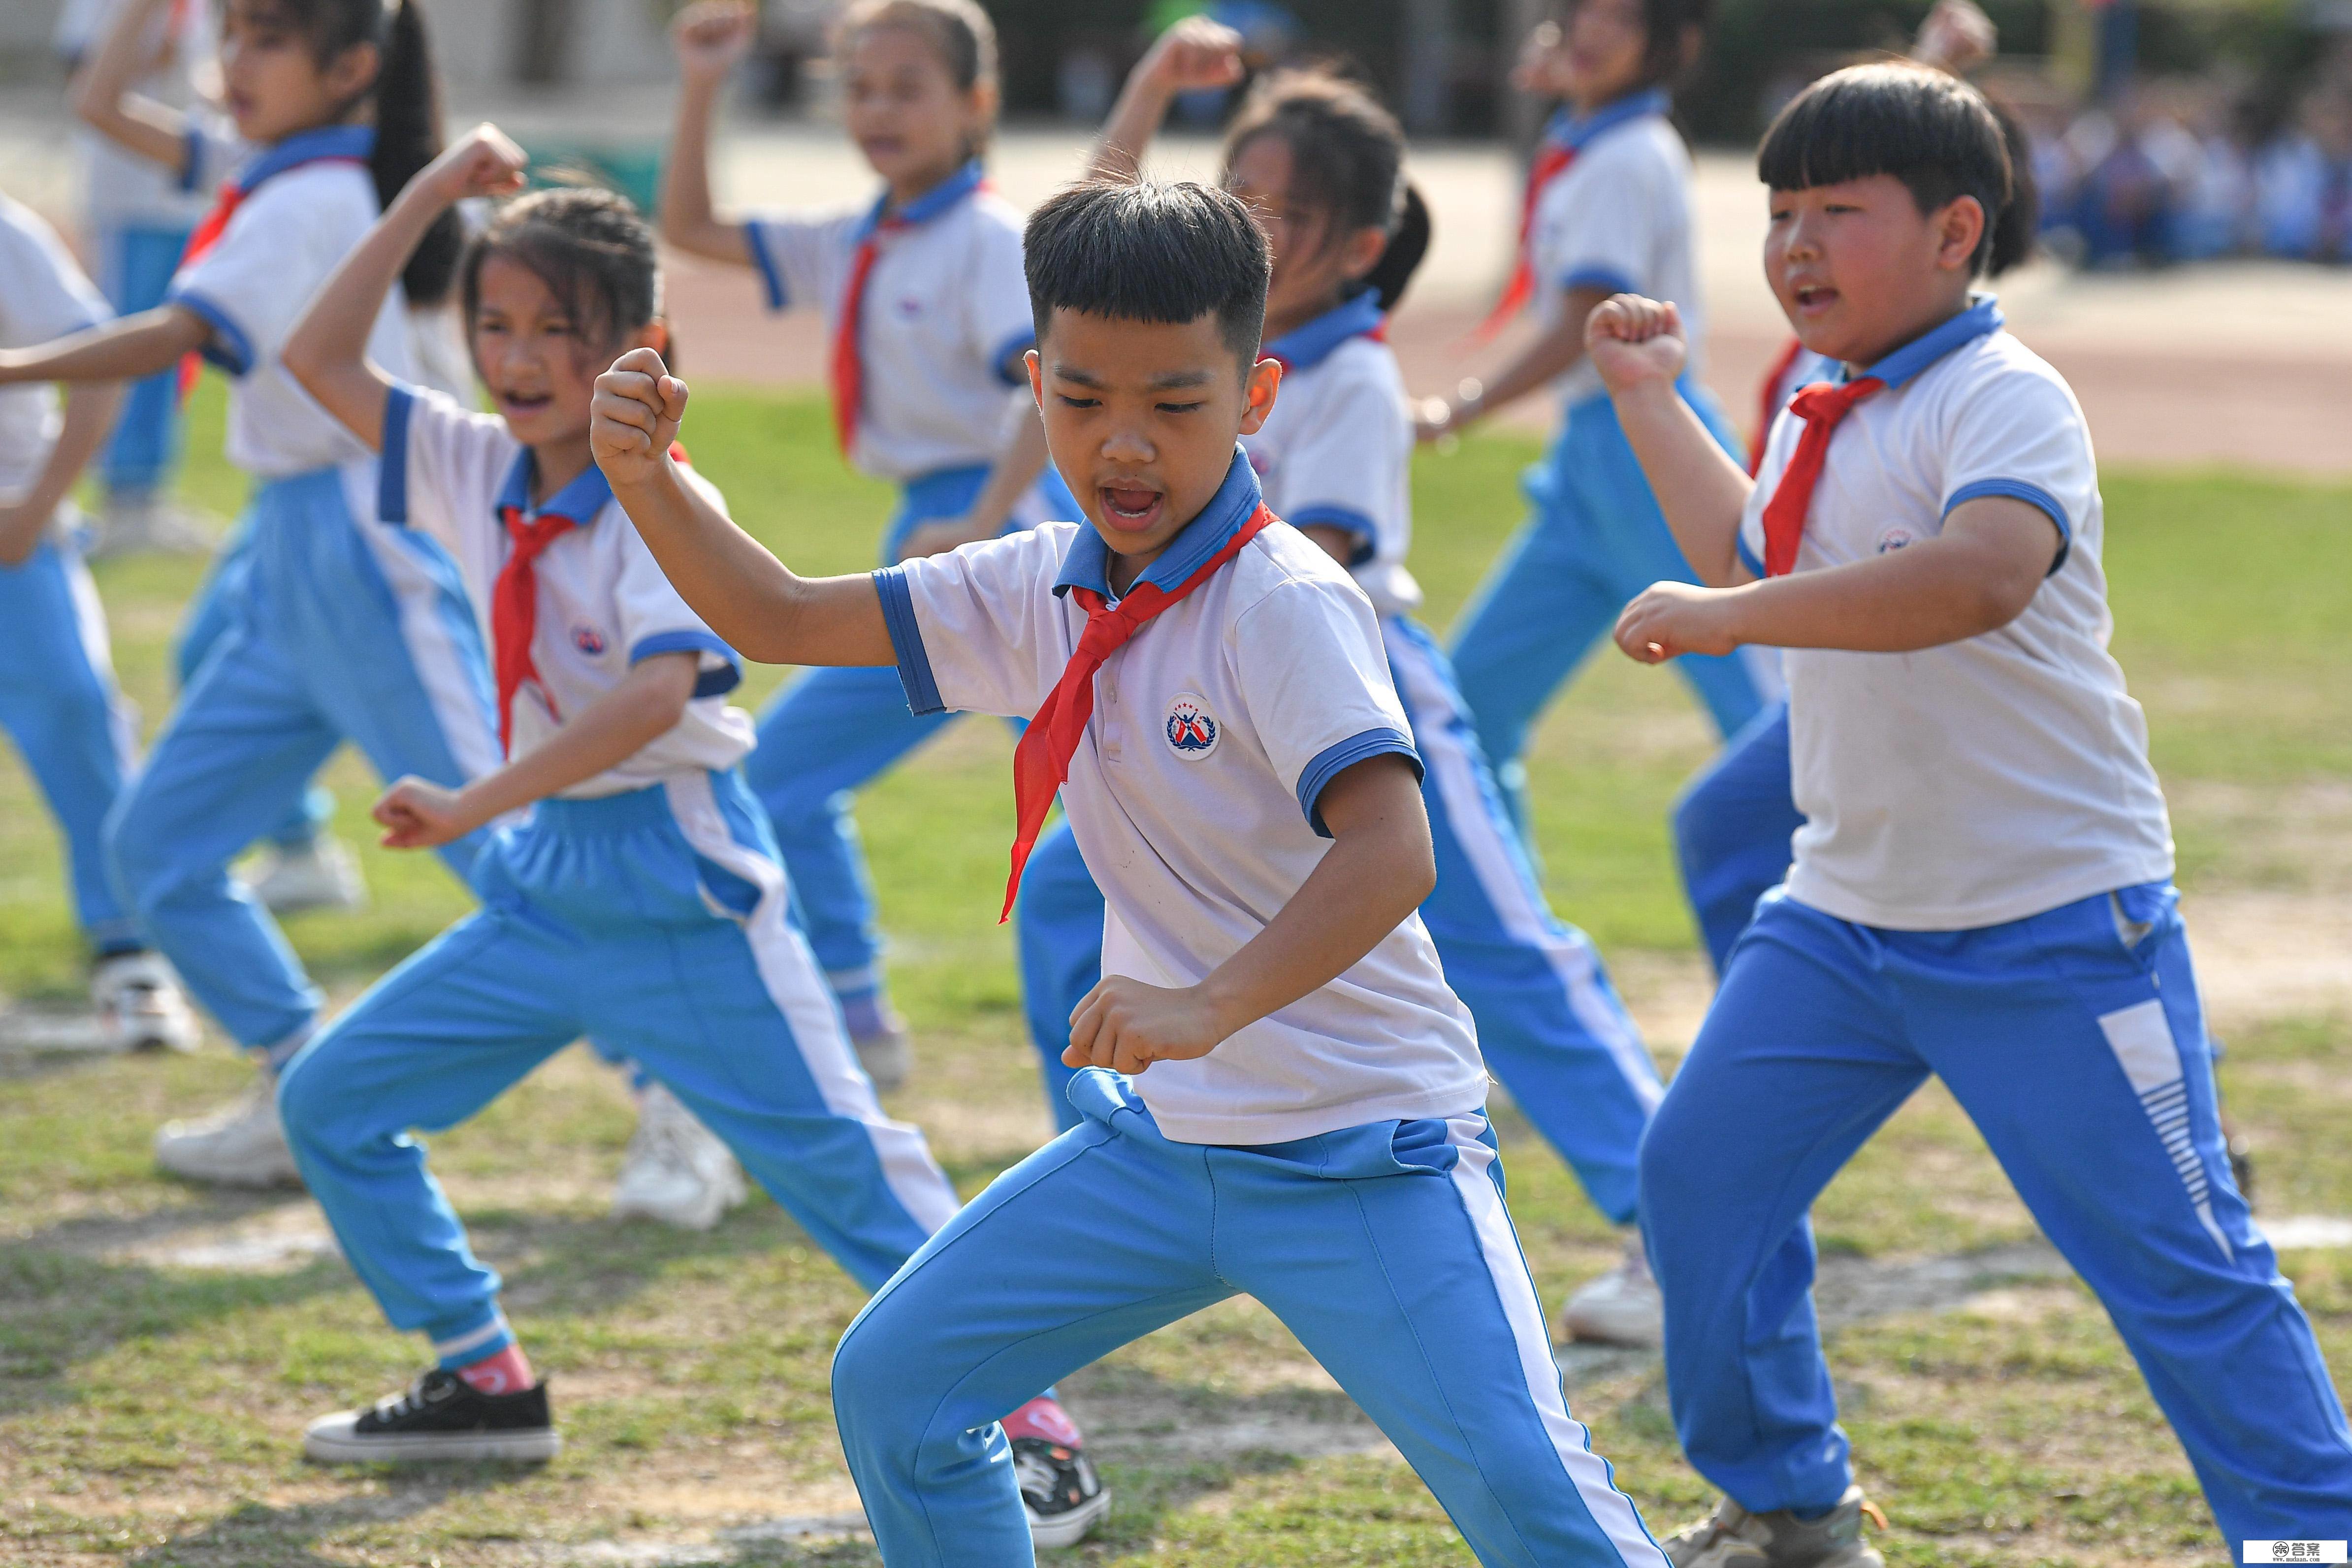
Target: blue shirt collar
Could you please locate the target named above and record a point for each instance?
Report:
(1981, 318)
(1087, 564)
(306, 147)
(582, 500)
(1305, 347)
(1576, 131)
(928, 206)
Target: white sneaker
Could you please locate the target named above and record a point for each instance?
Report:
(139, 1004)
(1621, 1307)
(148, 525)
(676, 1170)
(241, 1144)
(888, 1056)
(319, 874)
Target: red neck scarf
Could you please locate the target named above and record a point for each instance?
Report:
(1040, 763)
(1823, 407)
(1552, 160)
(847, 367)
(514, 613)
(1768, 401)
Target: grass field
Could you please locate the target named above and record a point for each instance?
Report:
(160, 1347)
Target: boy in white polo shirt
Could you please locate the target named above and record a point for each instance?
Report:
(1982, 887)
(1302, 1122)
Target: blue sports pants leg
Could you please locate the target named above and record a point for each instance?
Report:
(232, 760)
(145, 446)
(1732, 829)
(1386, 1248)
(1058, 926)
(1549, 1023)
(826, 735)
(59, 702)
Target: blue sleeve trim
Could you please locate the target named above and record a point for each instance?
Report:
(906, 641)
(1746, 557)
(192, 167)
(1601, 278)
(714, 682)
(1002, 361)
(778, 297)
(1347, 520)
(1333, 760)
(228, 347)
(2033, 495)
(391, 466)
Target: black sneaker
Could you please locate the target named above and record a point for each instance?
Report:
(1059, 1490)
(441, 1418)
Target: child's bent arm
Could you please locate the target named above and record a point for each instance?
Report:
(89, 414)
(710, 39)
(1636, 346)
(327, 350)
(124, 350)
(645, 705)
(1195, 54)
(1023, 460)
(756, 605)
(104, 100)
(1380, 866)
(1977, 576)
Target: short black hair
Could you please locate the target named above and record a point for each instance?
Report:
(1347, 161)
(1933, 131)
(591, 248)
(1138, 250)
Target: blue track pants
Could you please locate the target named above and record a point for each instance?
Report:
(1732, 828)
(656, 919)
(2075, 1041)
(337, 631)
(59, 703)
(1386, 1248)
(138, 457)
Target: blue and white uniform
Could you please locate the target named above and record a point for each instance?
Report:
(643, 905)
(1981, 892)
(1618, 218)
(944, 321)
(1336, 451)
(59, 701)
(1331, 1159)
(336, 626)
(1734, 820)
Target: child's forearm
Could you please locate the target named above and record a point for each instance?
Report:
(1379, 867)
(120, 350)
(1535, 367)
(89, 414)
(104, 100)
(644, 706)
(1701, 491)
(690, 220)
(1135, 119)
(327, 350)
(1016, 470)
(1976, 577)
(743, 592)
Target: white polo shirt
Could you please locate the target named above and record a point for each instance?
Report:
(43, 295)
(946, 312)
(309, 201)
(1986, 780)
(1194, 795)
(603, 602)
(1338, 449)
(1618, 218)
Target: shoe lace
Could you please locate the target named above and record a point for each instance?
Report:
(1871, 1512)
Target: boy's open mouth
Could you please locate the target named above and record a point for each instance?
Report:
(512, 402)
(1812, 297)
(1132, 508)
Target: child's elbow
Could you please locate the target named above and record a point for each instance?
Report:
(2002, 596)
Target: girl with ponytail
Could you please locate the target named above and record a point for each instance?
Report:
(319, 624)
(1322, 163)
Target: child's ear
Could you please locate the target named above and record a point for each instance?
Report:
(1960, 228)
(1365, 248)
(1036, 369)
(353, 71)
(1265, 381)
(654, 335)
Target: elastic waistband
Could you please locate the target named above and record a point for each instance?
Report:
(623, 813)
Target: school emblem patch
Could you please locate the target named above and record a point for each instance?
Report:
(587, 639)
(1893, 539)
(1194, 732)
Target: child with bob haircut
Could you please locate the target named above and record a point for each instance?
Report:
(1280, 1095)
(1982, 887)
(921, 295)
(640, 902)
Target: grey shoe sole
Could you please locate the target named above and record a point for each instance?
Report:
(1068, 1528)
(332, 1442)
(887, 1060)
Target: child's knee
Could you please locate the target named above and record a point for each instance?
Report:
(871, 1379)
